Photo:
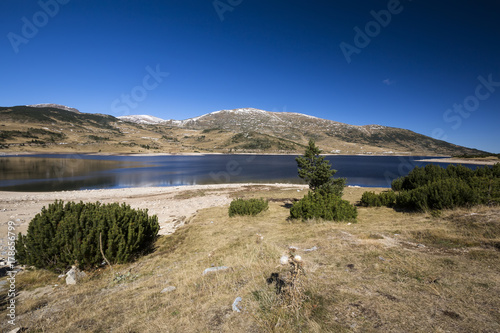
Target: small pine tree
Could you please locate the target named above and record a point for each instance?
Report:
(317, 171)
(325, 199)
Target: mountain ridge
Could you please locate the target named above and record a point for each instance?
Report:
(44, 127)
(299, 127)
(51, 105)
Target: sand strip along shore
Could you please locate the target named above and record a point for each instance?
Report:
(172, 205)
(460, 161)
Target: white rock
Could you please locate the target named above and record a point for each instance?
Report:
(74, 275)
(284, 260)
(168, 289)
(214, 269)
(235, 304)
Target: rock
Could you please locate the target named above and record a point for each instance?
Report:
(215, 269)
(421, 245)
(74, 275)
(168, 289)
(235, 304)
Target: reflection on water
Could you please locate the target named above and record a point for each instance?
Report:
(74, 172)
(15, 168)
(56, 174)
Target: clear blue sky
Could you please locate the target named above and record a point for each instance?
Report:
(412, 61)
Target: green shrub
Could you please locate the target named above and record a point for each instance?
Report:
(63, 234)
(370, 199)
(419, 177)
(441, 194)
(335, 187)
(397, 184)
(433, 187)
(431, 173)
(488, 189)
(247, 207)
(327, 206)
(388, 198)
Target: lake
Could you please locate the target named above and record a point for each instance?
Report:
(62, 172)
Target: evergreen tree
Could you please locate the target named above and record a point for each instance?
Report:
(317, 171)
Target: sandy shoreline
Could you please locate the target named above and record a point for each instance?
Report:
(6, 154)
(172, 205)
(460, 161)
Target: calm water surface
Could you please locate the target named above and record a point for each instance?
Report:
(76, 172)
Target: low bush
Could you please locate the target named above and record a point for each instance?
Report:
(441, 194)
(327, 206)
(431, 173)
(64, 234)
(247, 206)
(434, 187)
(370, 199)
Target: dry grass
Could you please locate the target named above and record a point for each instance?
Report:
(126, 138)
(389, 272)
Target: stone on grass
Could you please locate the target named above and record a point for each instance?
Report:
(168, 289)
(215, 269)
(314, 248)
(235, 304)
(74, 275)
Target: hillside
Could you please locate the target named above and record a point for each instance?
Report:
(338, 137)
(57, 128)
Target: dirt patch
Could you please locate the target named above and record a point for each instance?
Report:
(173, 205)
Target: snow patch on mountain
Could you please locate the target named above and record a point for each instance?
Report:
(142, 119)
(56, 106)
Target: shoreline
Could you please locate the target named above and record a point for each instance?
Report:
(174, 205)
(459, 161)
(11, 154)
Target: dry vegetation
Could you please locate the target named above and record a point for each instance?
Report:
(389, 272)
(50, 130)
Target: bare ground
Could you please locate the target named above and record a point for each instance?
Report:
(172, 205)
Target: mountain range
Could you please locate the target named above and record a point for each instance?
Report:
(53, 127)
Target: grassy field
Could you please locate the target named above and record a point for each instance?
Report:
(389, 272)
